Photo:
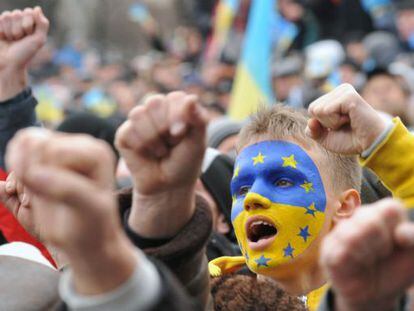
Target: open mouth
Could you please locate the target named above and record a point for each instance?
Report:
(260, 232)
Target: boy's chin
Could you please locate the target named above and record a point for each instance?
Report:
(285, 269)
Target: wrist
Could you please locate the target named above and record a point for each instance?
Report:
(92, 270)
(380, 135)
(12, 82)
(161, 215)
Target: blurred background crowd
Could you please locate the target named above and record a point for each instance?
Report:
(105, 56)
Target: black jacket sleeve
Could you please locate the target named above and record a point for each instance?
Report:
(15, 114)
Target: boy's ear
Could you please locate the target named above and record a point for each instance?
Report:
(349, 200)
(222, 226)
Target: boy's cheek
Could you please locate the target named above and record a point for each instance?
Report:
(297, 231)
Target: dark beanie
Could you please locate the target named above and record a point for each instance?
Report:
(216, 175)
(220, 129)
(87, 123)
(404, 4)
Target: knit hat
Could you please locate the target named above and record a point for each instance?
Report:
(216, 175)
(291, 65)
(87, 123)
(383, 47)
(219, 129)
(404, 4)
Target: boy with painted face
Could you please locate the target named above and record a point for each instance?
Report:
(291, 184)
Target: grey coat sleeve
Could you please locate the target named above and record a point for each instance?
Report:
(15, 114)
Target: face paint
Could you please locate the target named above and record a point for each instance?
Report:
(278, 203)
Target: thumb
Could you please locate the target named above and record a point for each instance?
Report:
(3, 192)
(316, 131)
(11, 202)
(196, 117)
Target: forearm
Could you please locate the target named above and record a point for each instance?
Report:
(162, 215)
(141, 290)
(184, 254)
(12, 82)
(393, 161)
(16, 113)
(93, 270)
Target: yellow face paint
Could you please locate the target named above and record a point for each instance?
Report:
(278, 204)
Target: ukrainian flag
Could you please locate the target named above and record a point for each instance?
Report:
(225, 12)
(253, 81)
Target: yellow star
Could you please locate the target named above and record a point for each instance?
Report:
(258, 159)
(236, 172)
(289, 161)
(308, 186)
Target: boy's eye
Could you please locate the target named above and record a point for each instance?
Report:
(243, 190)
(284, 183)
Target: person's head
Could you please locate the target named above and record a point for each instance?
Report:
(288, 192)
(354, 47)
(405, 20)
(286, 76)
(213, 186)
(387, 92)
(87, 123)
(292, 10)
(235, 292)
(222, 135)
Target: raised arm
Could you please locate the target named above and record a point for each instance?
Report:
(163, 143)
(22, 35)
(343, 122)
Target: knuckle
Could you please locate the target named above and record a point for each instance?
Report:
(154, 102)
(336, 257)
(136, 113)
(103, 149)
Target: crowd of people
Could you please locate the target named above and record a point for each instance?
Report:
(127, 187)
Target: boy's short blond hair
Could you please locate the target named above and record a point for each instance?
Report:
(281, 122)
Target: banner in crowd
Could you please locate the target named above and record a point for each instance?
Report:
(223, 21)
(252, 84)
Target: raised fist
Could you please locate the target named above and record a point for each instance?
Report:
(163, 142)
(22, 34)
(70, 187)
(17, 200)
(368, 258)
(343, 122)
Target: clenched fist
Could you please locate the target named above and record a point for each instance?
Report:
(70, 186)
(22, 35)
(368, 258)
(70, 179)
(343, 122)
(163, 144)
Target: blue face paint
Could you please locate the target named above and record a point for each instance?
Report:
(283, 187)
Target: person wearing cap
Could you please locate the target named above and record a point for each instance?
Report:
(214, 186)
(222, 135)
(287, 80)
(387, 93)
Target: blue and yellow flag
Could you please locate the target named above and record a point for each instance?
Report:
(252, 84)
(225, 12)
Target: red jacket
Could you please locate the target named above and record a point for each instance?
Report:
(14, 232)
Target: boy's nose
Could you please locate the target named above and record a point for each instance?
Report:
(255, 201)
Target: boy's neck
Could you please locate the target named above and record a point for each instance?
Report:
(309, 279)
